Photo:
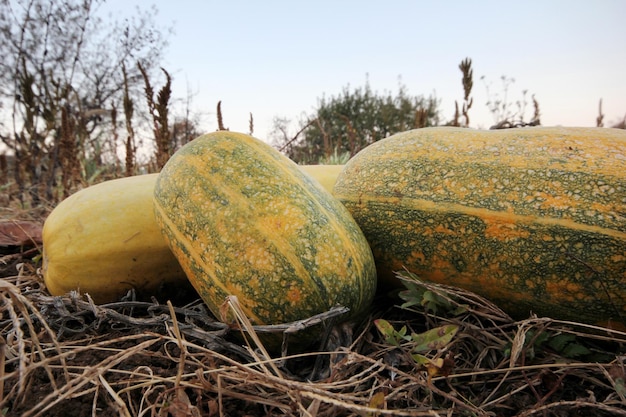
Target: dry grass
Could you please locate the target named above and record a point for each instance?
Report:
(67, 356)
(159, 110)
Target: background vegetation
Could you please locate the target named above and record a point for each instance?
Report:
(78, 95)
(74, 90)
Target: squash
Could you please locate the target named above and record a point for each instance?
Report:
(532, 218)
(104, 240)
(326, 175)
(244, 220)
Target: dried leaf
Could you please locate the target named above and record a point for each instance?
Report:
(435, 367)
(377, 401)
(549, 380)
(19, 233)
(180, 406)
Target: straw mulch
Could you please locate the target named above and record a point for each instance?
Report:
(66, 356)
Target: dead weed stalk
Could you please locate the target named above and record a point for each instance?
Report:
(159, 110)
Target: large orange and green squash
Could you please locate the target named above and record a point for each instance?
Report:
(244, 220)
(104, 240)
(533, 219)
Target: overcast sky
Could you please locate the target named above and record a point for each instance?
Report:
(276, 58)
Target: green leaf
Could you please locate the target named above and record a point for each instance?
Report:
(402, 332)
(434, 339)
(620, 387)
(434, 302)
(386, 330)
(391, 335)
(410, 301)
(420, 359)
(566, 344)
(413, 295)
(574, 350)
(416, 295)
(540, 339)
(460, 309)
(559, 342)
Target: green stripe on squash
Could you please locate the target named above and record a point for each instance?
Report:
(244, 220)
(534, 219)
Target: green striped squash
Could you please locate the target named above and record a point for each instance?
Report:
(533, 219)
(244, 220)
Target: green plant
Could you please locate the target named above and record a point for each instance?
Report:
(353, 119)
(335, 158)
(419, 344)
(417, 295)
(565, 344)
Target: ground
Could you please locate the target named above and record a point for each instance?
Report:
(65, 356)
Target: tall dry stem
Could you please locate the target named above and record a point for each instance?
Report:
(130, 146)
(4, 168)
(68, 153)
(220, 119)
(114, 135)
(536, 120)
(455, 119)
(159, 110)
(468, 82)
(600, 118)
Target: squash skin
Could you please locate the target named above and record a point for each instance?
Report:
(104, 240)
(244, 220)
(530, 218)
(326, 175)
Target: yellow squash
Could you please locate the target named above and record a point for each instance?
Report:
(104, 240)
(326, 175)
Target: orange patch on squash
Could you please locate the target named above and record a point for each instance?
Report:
(504, 230)
(294, 295)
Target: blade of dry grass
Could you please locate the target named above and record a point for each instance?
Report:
(20, 310)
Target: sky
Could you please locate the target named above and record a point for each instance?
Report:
(278, 58)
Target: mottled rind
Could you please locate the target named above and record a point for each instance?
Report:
(244, 220)
(533, 218)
